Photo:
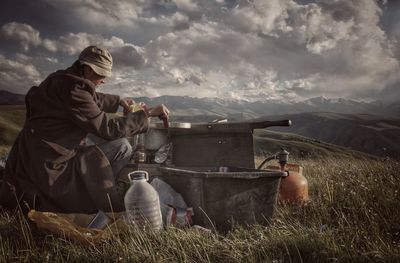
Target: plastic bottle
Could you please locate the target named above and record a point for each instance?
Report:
(142, 202)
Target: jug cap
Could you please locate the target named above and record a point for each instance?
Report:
(138, 175)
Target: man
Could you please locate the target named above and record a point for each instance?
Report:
(51, 167)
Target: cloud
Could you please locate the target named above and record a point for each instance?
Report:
(259, 16)
(73, 44)
(180, 22)
(28, 36)
(125, 54)
(24, 59)
(101, 12)
(24, 33)
(333, 48)
(257, 49)
(128, 56)
(18, 75)
(187, 6)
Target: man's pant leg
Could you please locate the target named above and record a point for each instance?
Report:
(118, 152)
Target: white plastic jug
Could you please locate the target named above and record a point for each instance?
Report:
(142, 202)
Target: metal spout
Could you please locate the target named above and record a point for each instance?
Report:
(282, 156)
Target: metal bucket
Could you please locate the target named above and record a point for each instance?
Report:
(222, 199)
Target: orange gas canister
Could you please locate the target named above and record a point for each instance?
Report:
(294, 187)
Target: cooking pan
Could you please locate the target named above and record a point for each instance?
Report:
(157, 135)
(231, 127)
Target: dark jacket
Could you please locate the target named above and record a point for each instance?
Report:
(49, 167)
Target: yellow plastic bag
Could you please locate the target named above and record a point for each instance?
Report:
(72, 226)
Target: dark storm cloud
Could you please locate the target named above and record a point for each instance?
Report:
(341, 11)
(128, 56)
(180, 22)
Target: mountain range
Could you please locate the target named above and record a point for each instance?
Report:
(184, 107)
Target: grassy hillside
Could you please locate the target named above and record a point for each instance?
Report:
(9, 98)
(361, 132)
(269, 142)
(11, 121)
(352, 217)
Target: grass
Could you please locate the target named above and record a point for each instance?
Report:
(11, 120)
(353, 216)
(269, 142)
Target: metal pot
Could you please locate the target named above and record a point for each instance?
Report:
(157, 135)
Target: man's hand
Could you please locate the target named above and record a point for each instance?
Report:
(125, 103)
(159, 111)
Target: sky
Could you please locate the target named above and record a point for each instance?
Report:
(235, 49)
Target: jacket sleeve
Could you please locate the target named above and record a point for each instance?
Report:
(107, 102)
(86, 113)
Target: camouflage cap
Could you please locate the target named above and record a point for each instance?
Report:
(98, 59)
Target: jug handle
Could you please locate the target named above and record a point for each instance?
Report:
(139, 171)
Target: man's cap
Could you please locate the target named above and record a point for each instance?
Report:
(98, 59)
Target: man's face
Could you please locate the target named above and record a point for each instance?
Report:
(97, 79)
(93, 76)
